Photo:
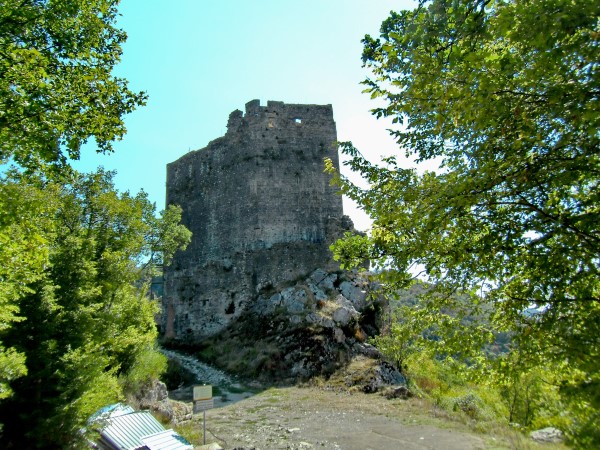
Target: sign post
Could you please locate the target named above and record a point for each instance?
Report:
(203, 400)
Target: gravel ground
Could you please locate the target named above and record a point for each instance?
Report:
(307, 418)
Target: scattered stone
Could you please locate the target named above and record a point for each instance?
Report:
(384, 375)
(213, 446)
(338, 335)
(548, 434)
(367, 349)
(397, 392)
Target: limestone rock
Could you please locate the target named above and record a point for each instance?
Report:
(304, 329)
(154, 392)
(384, 375)
(343, 315)
(338, 335)
(323, 279)
(294, 300)
(368, 350)
(357, 296)
(548, 434)
(213, 446)
(318, 293)
(345, 312)
(154, 396)
(320, 320)
(397, 392)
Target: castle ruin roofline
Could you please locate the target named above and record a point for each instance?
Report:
(279, 114)
(253, 108)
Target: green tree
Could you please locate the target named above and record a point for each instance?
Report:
(76, 328)
(56, 86)
(23, 254)
(505, 95)
(83, 326)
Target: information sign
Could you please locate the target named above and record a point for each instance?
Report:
(203, 400)
(202, 392)
(203, 405)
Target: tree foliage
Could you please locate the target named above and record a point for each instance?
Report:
(23, 252)
(80, 325)
(505, 94)
(56, 86)
(76, 328)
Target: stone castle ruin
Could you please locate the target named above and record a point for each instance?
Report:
(261, 210)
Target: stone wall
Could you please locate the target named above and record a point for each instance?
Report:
(261, 210)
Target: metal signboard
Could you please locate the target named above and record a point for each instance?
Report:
(202, 392)
(203, 400)
(203, 405)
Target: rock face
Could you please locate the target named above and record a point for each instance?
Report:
(305, 330)
(262, 214)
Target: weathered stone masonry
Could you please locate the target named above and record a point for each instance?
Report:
(261, 210)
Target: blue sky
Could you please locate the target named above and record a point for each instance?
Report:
(199, 60)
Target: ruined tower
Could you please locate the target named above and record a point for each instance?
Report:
(261, 210)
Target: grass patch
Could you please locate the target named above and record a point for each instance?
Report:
(257, 408)
(191, 431)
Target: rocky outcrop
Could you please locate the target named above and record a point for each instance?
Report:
(154, 397)
(315, 327)
(323, 299)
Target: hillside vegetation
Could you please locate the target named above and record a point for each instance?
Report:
(503, 95)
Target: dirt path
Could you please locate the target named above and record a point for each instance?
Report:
(306, 418)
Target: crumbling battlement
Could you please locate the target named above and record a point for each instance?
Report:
(261, 210)
(271, 121)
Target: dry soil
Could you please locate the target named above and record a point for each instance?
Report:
(309, 417)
